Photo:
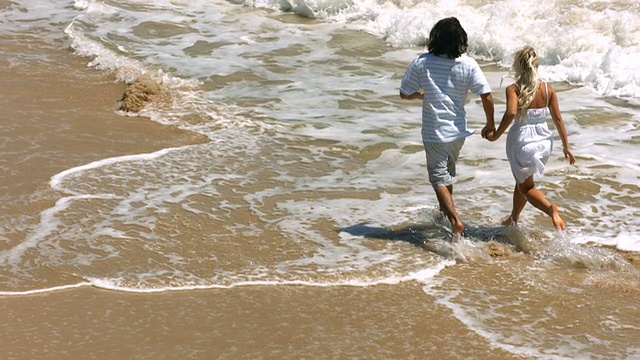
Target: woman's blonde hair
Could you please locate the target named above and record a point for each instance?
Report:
(525, 65)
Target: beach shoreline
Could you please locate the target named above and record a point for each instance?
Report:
(68, 113)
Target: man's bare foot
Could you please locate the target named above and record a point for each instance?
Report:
(508, 221)
(558, 223)
(456, 229)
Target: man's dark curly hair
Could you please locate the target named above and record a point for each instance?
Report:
(447, 37)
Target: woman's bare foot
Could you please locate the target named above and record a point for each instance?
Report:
(508, 221)
(558, 223)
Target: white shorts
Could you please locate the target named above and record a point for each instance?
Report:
(441, 161)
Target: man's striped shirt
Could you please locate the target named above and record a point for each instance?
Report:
(446, 83)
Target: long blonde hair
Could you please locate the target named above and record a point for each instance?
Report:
(525, 65)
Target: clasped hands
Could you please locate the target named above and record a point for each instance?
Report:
(489, 133)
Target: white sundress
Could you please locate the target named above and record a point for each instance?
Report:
(529, 142)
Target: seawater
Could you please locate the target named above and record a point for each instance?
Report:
(314, 174)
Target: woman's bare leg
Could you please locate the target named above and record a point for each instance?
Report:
(537, 199)
(519, 201)
(558, 223)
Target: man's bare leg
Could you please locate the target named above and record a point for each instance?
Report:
(450, 189)
(445, 199)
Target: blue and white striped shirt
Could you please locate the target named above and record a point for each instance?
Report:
(446, 83)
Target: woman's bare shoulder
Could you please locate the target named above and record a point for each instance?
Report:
(512, 88)
(549, 89)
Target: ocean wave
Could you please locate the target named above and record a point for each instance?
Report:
(582, 43)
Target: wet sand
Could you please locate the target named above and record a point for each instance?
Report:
(241, 323)
(67, 113)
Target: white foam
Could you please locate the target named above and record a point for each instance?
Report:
(57, 179)
(48, 223)
(578, 42)
(628, 241)
(422, 276)
(45, 290)
(49, 220)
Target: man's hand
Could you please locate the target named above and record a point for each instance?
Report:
(487, 130)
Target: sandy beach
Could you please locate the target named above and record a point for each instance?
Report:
(242, 323)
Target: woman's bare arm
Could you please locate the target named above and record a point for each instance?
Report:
(509, 113)
(554, 108)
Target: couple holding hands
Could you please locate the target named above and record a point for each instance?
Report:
(441, 78)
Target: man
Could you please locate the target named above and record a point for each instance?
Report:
(442, 78)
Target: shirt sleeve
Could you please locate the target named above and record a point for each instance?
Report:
(479, 83)
(410, 82)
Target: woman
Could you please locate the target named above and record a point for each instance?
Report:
(529, 141)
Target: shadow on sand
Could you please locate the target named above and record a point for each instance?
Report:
(494, 241)
(431, 237)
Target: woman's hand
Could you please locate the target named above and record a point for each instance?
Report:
(569, 155)
(491, 135)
